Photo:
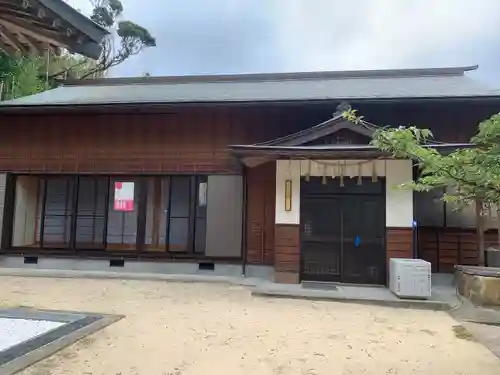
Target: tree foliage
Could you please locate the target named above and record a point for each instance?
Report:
(125, 40)
(469, 174)
(20, 76)
(473, 171)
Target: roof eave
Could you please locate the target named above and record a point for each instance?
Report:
(333, 151)
(91, 50)
(5, 107)
(74, 17)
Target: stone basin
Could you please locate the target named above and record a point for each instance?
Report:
(481, 285)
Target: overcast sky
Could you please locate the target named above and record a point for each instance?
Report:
(245, 36)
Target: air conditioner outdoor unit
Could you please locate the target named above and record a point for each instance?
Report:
(410, 278)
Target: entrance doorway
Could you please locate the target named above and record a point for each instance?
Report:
(342, 231)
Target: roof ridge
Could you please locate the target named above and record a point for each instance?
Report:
(262, 77)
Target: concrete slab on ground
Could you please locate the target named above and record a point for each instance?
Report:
(29, 335)
(482, 323)
(488, 335)
(443, 295)
(146, 276)
(443, 298)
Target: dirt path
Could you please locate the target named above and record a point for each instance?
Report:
(193, 329)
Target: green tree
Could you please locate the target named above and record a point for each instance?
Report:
(472, 173)
(19, 77)
(126, 39)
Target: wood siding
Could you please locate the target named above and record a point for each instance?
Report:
(287, 253)
(449, 122)
(183, 142)
(261, 208)
(192, 140)
(399, 243)
(287, 248)
(446, 247)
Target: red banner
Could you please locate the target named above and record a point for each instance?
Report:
(124, 196)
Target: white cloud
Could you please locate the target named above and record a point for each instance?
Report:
(213, 36)
(363, 34)
(84, 6)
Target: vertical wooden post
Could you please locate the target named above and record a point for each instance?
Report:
(480, 232)
(142, 196)
(74, 183)
(157, 211)
(47, 85)
(498, 227)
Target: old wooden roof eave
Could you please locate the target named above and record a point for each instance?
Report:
(255, 155)
(30, 27)
(81, 22)
(157, 107)
(336, 123)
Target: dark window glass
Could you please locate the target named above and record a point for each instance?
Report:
(179, 234)
(179, 204)
(91, 212)
(157, 203)
(58, 212)
(54, 211)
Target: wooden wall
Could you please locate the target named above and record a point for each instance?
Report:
(446, 247)
(114, 144)
(399, 243)
(192, 141)
(449, 122)
(195, 140)
(287, 253)
(261, 208)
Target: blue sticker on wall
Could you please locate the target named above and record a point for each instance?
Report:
(357, 241)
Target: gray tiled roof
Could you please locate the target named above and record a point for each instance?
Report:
(381, 84)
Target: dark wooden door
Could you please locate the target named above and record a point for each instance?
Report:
(342, 238)
(321, 239)
(363, 227)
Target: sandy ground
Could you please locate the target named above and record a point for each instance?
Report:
(194, 329)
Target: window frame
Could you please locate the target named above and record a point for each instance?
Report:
(140, 206)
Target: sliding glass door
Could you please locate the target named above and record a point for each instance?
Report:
(122, 224)
(90, 221)
(163, 214)
(56, 212)
(176, 214)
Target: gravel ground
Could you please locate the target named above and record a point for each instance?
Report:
(193, 329)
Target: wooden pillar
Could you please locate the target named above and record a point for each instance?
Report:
(287, 220)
